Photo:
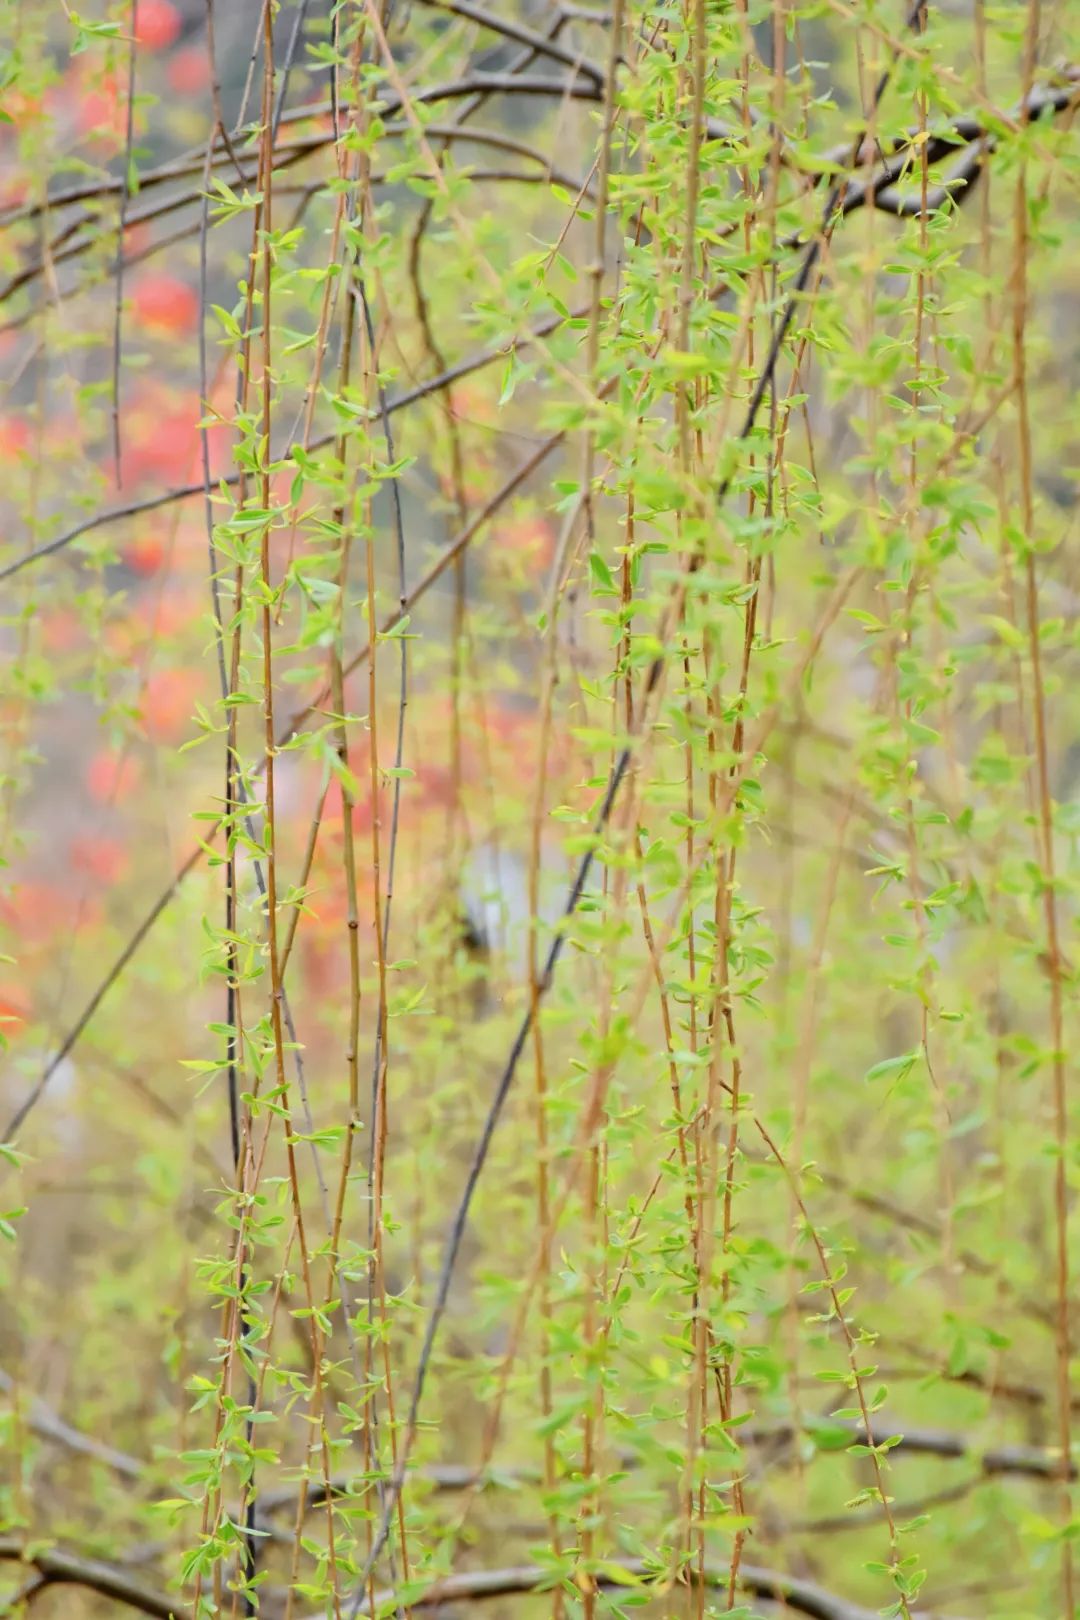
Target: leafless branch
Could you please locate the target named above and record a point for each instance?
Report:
(50, 1426)
(804, 1597)
(55, 1565)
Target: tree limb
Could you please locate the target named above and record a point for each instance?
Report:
(804, 1597)
(57, 1566)
(50, 1426)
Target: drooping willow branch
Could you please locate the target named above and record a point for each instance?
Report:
(959, 132)
(832, 215)
(850, 197)
(845, 200)
(68, 245)
(886, 184)
(433, 574)
(966, 134)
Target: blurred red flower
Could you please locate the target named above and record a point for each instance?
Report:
(146, 554)
(531, 538)
(157, 24)
(61, 630)
(39, 912)
(101, 110)
(160, 441)
(14, 1011)
(168, 702)
(14, 437)
(105, 859)
(188, 71)
(165, 304)
(112, 776)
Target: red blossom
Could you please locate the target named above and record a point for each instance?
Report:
(157, 24)
(164, 304)
(103, 858)
(168, 702)
(530, 538)
(14, 1011)
(39, 912)
(61, 630)
(188, 71)
(112, 776)
(146, 554)
(14, 437)
(101, 110)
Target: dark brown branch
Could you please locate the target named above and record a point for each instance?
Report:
(539, 44)
(476, 1586)
(46, 1423)
(882, 189)
(440, 1476)
(968, 135)
(152, 503)
(63, 250)
(967, 128)
(961, 132)
(1032, 1462)
(551, 87)
(56, 1566)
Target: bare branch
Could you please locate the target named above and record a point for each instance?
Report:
(805, 1597)
(111, 1580)
(424, 390)
(60, 1567)
(50, 1426)
(539, 44)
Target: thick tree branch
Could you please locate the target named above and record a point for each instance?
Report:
(804, 1597)
(1033, 1461)
(43, 1421)
(1030, 1462)
(960, 132)
(55, 1565)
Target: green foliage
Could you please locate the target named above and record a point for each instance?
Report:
(541, 869)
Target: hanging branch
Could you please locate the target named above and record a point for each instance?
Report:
(831, 216)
